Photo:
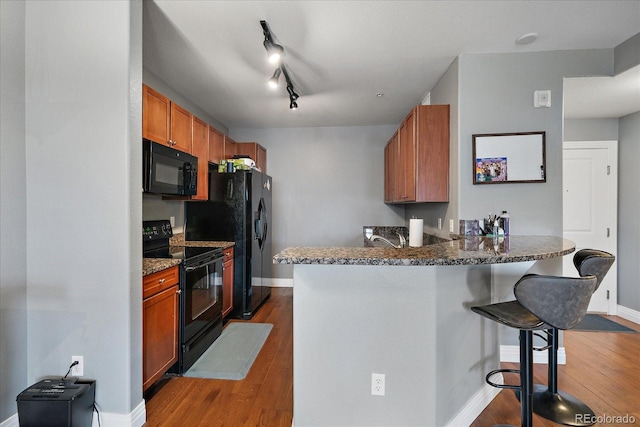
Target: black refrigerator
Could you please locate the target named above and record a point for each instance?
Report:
(238, 210)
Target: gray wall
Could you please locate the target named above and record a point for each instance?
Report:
(627, 54)
(591, 129)
(71, 103)
(13, 208)
(328, 183)
(496, 95)
(628, 208)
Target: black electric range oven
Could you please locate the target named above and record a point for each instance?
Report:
(200, 321)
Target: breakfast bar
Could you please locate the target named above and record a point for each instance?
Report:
(403, 313)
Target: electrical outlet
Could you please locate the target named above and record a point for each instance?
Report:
(439, 223)
(377, 384)
(450, 226)
(172, 221)
(78, 370)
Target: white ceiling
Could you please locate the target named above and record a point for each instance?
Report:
(340, 54)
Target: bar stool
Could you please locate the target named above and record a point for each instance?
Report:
(549, 402)
(542, 302)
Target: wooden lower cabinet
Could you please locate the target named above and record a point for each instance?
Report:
(227, 282)
(159, 324)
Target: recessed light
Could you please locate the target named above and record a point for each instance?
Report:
(527, 38)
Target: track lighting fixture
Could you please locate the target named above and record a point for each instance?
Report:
(274, 50)
(273, 81)
(275, 53)
(292, 94)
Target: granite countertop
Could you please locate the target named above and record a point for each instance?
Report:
(178, 240)
(465, 251)
(153, 265)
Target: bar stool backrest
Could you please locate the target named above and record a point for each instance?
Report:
(561, 302)
(593, 262)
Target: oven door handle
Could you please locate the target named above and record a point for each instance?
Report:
(195, 267)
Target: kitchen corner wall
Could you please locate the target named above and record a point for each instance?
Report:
(328, 182)
(13, 208)
(628, 208)
(71, 178)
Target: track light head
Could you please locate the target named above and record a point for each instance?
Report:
(274, 52)
(292, 94)
(293, 105)
(273, 81)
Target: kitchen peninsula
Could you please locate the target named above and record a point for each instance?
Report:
(403, 313)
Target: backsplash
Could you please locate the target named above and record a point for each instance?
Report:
(391, 233)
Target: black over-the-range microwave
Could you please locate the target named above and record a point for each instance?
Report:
(168, 171)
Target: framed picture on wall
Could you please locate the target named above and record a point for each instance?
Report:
(502, 158)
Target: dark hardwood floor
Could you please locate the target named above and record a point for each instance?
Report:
(263, 398)
(603, 370)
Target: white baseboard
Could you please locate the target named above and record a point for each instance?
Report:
(136, 418)
(281, 283)
(511, 353)
(629, 314)
(12, 421)
(476, 404)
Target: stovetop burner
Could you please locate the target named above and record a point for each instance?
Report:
(155, 244)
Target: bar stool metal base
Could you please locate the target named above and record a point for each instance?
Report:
(561, 407)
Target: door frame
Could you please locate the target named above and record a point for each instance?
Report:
(612, 147)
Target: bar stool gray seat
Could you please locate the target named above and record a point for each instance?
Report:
(542, 302)
(549, 402)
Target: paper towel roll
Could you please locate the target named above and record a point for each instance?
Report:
(415, 232)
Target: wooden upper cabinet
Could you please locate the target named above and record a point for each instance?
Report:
(417, 157)
(229, 147)
(432, 153)
(406, 173)
(156, 113)
(164, 121)
(255, 151)
(216, 145)
(200, 149)
(181, 136)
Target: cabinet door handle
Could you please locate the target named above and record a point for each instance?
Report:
(161, 281)
(179, 291)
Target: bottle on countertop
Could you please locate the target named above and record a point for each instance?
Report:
(504, 222)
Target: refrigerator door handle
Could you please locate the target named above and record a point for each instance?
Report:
(257, 226)
(261, 223)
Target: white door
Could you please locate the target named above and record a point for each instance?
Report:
(590, 199)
